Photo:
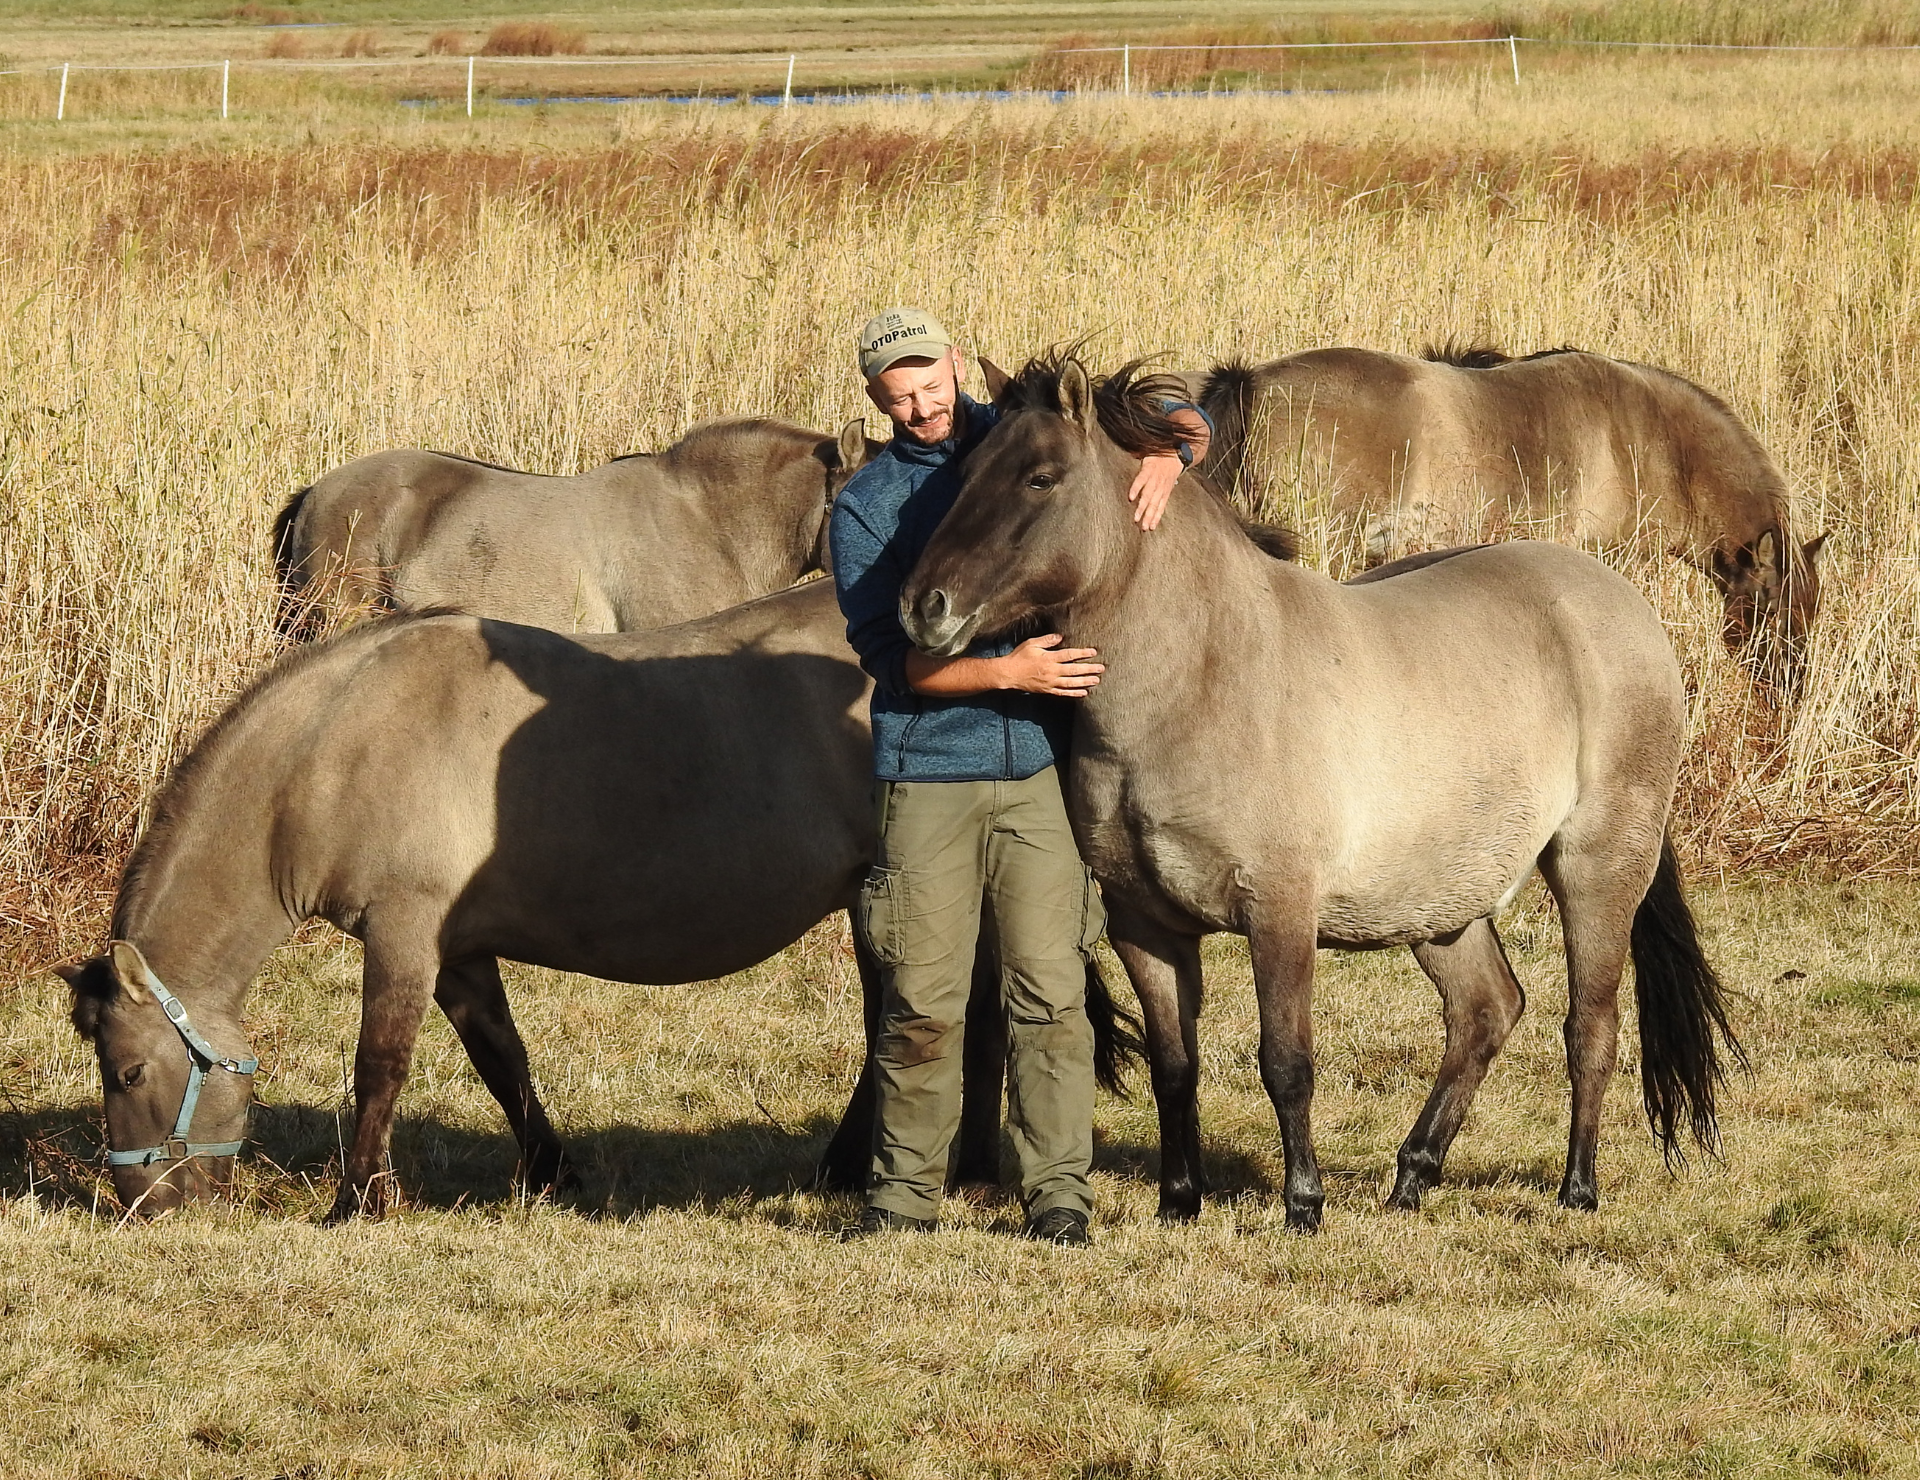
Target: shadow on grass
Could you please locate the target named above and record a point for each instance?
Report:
(624, 1169)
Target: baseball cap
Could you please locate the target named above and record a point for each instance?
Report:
(896, 334)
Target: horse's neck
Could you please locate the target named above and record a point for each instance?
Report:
(1727, 486)
(204, 913)
(756, 522)
(1185, 608)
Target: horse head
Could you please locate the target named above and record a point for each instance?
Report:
(1772, 591)
(176, 1104)
(841, 458)
(1041, 519)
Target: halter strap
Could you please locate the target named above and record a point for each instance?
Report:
(202, 1057)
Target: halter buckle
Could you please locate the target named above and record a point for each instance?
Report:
(175, 1148)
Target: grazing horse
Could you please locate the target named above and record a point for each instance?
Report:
(734, 510)
(657, 807)
(1357, 766)
(1466, 442)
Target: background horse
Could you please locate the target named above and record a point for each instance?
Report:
(662, 807)
(1310, 764)
(1469, 444)
(734, 510)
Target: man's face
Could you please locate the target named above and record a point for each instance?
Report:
(920, 396)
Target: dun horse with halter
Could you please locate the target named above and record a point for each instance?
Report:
(1310, 764)
(658, 807)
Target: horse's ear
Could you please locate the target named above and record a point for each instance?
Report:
(1076, 395)
(997, 379)
(1812, 548)
(1766, 550)
(130, 969)
(852, 445)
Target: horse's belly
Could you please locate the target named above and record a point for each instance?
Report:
(1425, 870)
(1403, 909)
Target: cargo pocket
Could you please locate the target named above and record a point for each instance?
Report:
(1093, 914)
(880, 914)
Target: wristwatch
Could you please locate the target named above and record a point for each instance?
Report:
(1185, 453)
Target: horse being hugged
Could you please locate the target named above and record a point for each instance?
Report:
(733, 510)
(1313, 764)
(1420, 453)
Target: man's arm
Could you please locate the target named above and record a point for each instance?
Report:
(1038, 666)
(869, 590)
(1159, 471)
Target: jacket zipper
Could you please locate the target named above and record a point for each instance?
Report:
(906, 734)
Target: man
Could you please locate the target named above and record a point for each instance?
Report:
(969, 800)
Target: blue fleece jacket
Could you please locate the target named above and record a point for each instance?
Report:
(881, 522)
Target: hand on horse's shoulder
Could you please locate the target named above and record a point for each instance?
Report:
(1041, 666)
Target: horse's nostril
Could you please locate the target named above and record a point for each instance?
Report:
(934, 605)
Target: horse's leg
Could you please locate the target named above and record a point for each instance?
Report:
(397, 981)
(472, 996)
(976, 1160)
(848, 1160)
(1165, 971)
(1480, 1000)
(1283, 986)
(1597, 887)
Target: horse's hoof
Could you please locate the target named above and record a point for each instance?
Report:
(1303, 1214)
(550, 1176)
(1179, 1210)
(1405, 1197)
(1580, 1199)
(347, 1207)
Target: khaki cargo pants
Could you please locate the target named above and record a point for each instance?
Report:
(942, 844)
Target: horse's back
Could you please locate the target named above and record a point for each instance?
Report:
(1561, 445)
(534, 787)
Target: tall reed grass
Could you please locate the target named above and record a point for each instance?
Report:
(191, 337)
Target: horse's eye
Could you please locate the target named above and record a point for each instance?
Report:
(130, 1077)
(1042, 482)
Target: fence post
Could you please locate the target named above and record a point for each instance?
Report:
(60, 109)
(469, 87)
(1513, 46)
(226, 75)
(786, 98)
(1126, 69)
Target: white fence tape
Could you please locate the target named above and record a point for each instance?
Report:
(1125, 51)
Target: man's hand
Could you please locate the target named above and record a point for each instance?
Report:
(1159, 471)
(1038, 666)
(1153, 486)
(1041, 666)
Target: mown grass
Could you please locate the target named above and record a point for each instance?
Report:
(697, 1316)
(189, 335)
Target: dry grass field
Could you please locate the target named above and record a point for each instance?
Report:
(188, 335)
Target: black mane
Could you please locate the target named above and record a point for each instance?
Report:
(1128, 404)
(1470, 356)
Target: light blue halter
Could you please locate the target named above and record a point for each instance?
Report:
(202, 1057)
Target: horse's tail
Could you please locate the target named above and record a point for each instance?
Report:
(290, 617)
(1227, 396)
(1117, 1034)
(1679, 998)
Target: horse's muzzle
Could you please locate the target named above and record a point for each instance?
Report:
(934, 626)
